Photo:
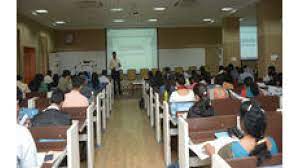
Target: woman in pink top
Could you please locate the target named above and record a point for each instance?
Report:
(75, 98)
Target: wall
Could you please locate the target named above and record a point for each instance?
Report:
(84, 40)
(30, 35)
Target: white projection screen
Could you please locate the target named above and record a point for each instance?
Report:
(135, 47)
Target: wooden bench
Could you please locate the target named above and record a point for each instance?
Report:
(36, 94)
(226, 106)
(69, 147)
(268, 103)
(85, 117)
(197, 130)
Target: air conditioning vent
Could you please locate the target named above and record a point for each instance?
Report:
(89, 4)
(186, 3)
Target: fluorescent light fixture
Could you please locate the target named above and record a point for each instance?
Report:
(34, 13)
(207, 20)
(41, 11)
(152, 20)
(118, 20)
(227, 9)
(116, 9)
(60, 22)
(159, 8)
(241, 19)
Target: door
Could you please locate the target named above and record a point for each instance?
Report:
(29, 64)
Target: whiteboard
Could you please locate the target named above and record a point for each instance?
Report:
(75, 61)
(183, 57)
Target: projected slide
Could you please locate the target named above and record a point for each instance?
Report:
(136, 48)
(248, 42)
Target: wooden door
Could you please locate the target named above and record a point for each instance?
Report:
(29, 64)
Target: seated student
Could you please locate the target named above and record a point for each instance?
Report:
(249, 88)
(37, 84)
(75, 98)
(22, 86)
(65, 83)
(55, 80)
(168, 87)
(52, 115)
(48, 78)
(269, 78)
(205, 76)
(202, 106)
(181, 95)
(85, 90)
(233, 73)
(26, 148)
(254, 142)
(158, 79)
(244, 73)
(194, 80)
(103, 78)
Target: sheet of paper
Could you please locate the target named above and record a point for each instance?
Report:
(40, 158)
(199, 150)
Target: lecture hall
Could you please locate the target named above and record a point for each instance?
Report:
(149, 83)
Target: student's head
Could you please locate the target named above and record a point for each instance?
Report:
(200, 91)
(76, 82)
(104, 72)
(114, 55)
(57, 97)
(248, 81)
(202, 69)
(255, 124)
(49, 73)
(19, 77)
(278, 79)
(150, 74)
(271, 70)
(84, 79)
(230, 67)
(66, 74)
(180, 79)
(221, 68)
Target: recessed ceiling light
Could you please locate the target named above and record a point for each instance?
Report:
(118, 20)
(60, 22)
(116, 9)
(152, 20)
(233, 11)
(41, 11)
(227, 9)
(159, 8)
(207, 20)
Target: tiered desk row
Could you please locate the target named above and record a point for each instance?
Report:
(82, 128)
(197, 130)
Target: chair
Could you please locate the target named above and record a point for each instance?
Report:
(154, 70)
(192, 68)
(179, 69)
(144, 73)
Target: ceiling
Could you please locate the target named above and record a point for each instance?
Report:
(81, 14)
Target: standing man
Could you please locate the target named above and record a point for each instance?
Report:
(115, 68)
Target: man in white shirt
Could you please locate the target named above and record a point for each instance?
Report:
(114, 66)
(26, 149)
(48, 78)
(22, 86)
(104, 78)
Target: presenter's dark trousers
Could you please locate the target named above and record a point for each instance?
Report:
(116, 81)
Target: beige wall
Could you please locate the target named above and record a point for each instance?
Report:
(84, 40)
(269, 19)
(193, 37)
(30, 36)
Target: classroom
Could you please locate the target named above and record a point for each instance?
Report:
(149, 83)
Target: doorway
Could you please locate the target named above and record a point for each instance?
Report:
(29, 64)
